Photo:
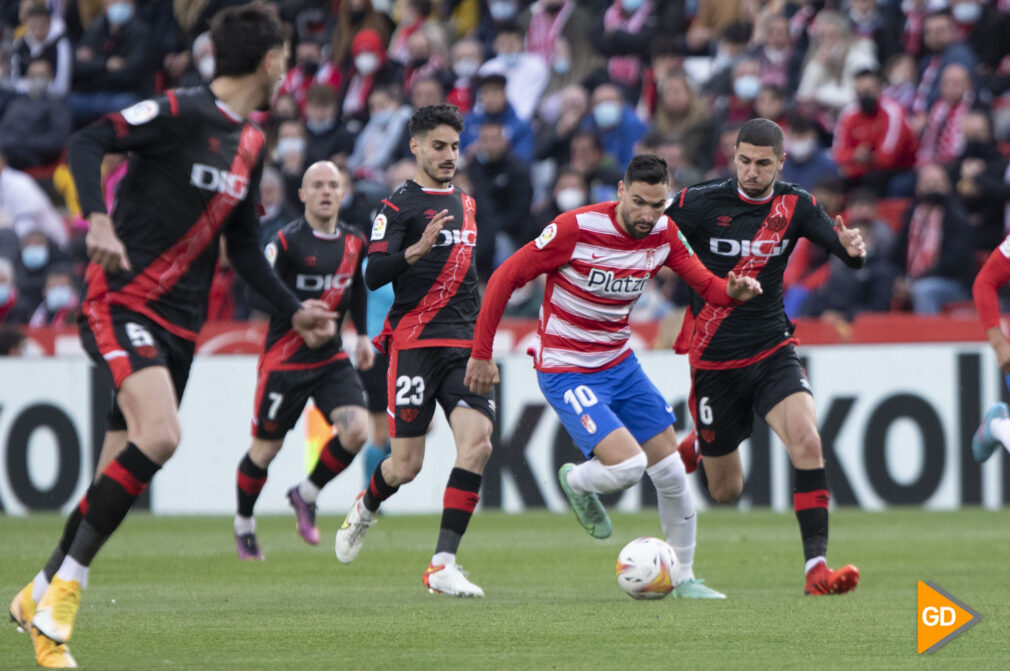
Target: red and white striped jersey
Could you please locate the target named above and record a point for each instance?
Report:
(595, 273)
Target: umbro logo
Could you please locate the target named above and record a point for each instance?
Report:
(310, 261)
(723, 220)
(430, 213)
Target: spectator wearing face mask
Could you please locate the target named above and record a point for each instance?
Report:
(983, 181)
(498, 13)
(43, 39)
(379, 141)
(739, 106)
(873, 140)
(526, 74)
(570, 192)
(353, 18)
(467, 57)
(780, 60)
(28, 207)
(325, 138)
(565, 71)
(555, 137)
(935, 251)
(370, 68)
(413, 15)
(112, 66)
(59, 300)
(427, 58)
(35, 125)
(289, 157)
(615, 123)
(310, 69)
(833, 59)
(201, 70)
(807, 162)
(38, 257)
(623, 35)
(12, 310)
(493, 106)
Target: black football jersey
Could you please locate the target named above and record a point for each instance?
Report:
(731, 232)
(321, 266)
(436, 299)
(193, 175)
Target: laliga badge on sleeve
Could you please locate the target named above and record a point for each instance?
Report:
(141, 113)
(546, 236)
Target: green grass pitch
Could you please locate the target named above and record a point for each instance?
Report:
(168, 593)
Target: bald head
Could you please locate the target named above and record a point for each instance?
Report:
(322, 190)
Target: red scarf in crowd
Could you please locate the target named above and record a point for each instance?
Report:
(925, 238)
(943, 136)
(625, 69)
(544, 29)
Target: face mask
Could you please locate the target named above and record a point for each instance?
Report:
(37, 86)
(206, 68)
(366, 62)
(466, 67)
(510, 60)
(382, 117)
(932, 198)
(801, 150)
(868, 104)
(5, 293)
(35, 256)
(966, 12)
(607, 114)
(119, 13)
(482, 157)
(975, 149)
(290, 145)
(270, 211)
(58, 297)
(502, 11)
(562, 66)
(747, 87)
(570, 198)
(309, 68)
(632, 5)
(319, 127)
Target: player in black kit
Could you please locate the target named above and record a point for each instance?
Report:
(195, 165)
(317, 258)
(423, 241)
(742, 357)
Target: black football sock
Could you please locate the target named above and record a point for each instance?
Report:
(378, 490)
(251, 479)
(458, 504)
(332, 461)
(810, 501)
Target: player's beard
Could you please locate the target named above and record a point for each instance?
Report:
(433, 174)
(757, 192)
(633, 231)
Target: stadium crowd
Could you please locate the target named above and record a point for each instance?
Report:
(896, 113)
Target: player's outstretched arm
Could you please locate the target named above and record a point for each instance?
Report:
(742, 288)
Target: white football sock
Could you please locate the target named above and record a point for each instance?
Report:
(592, 476)
(1001, 431)
(39, 586)
(71, 569)
(245, 525)
(812, 564)
(443, 559)
(308, 491)
(676, 512)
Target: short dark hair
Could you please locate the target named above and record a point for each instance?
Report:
(647, 168)
(761, 133)
(242, 36)
(428, 118)
(868, 72)
(321, 95)
(37, 9)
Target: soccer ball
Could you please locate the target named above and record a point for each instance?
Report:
(643, 568)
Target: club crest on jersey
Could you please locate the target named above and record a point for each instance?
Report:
(650, 259)
(603, 281)
(212, 179)
(141, 113)
(588, 424)
(776, 222)
(270, 251)
(546, 236)
(730, 247)
(379, 227)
